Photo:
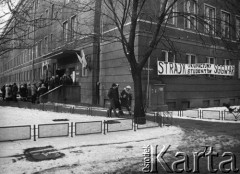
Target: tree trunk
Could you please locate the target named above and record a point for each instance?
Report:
(139, 113)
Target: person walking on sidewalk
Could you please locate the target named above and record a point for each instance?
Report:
(113, 98)
(126, 98)
(117, 103)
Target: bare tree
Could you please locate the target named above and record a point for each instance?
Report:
(125, 16)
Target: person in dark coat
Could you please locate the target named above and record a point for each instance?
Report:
(117, 102)
(34, 93)
(113, 98)
(126, 98)
(23, 92)
(42, 89)
(3, 89)
(56, 81)
(51, 83)
(14, 92)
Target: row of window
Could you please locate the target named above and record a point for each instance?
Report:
(210, 19)
(168, 56)
(24, 76)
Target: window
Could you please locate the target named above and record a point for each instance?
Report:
(225, 24)
(167, 56)
(51, 41)
(170, 16)
(26, 55)
(52, 12)
(37, 4)
(56, 15)
(191, 58)
(66, 1)
(30, 53)
(238, 28)
(65, 31)
(227, 62)
(40, 48)
(210, 16)
(211, 60)
(36, 50)
(28, 33)
(73, 27)
(41, 21)
(46, 45)
(206, 103)
(46, 16)
(39, 73)
(191, 10)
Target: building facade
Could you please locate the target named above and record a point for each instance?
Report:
(59, 32)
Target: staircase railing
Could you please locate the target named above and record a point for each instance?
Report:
(62, 94)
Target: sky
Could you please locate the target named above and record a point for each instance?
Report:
(5, 13)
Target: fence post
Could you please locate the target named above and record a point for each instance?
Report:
(72, 129)
(34, 132)
(154, 115)
(134, 124)
(73, 110)
(160, 119)
(104, 128)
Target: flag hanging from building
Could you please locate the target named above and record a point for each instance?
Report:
(82, 59)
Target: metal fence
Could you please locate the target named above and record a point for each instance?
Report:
(53, 130)
(211, 114)
(230, 116)
(116, 125)
(84, 128)
(13, 133)
(191, 113)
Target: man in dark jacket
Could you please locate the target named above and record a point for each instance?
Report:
(113, 98)
(3, 91)
(14, 92)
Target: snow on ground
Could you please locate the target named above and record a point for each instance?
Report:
(96, 153)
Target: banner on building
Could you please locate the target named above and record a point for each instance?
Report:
(171, 68)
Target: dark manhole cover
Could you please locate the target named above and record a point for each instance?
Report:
(60, 120)
(42, 153)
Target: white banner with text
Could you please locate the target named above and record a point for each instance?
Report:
(171, 68)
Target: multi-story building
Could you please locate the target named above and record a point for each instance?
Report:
(57, 32)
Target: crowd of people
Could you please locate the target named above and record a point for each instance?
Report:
(118, 101)
(31, 92)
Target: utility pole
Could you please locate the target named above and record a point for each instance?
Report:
(34, 17)
(148, 73)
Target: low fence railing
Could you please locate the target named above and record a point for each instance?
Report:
(66, 129)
